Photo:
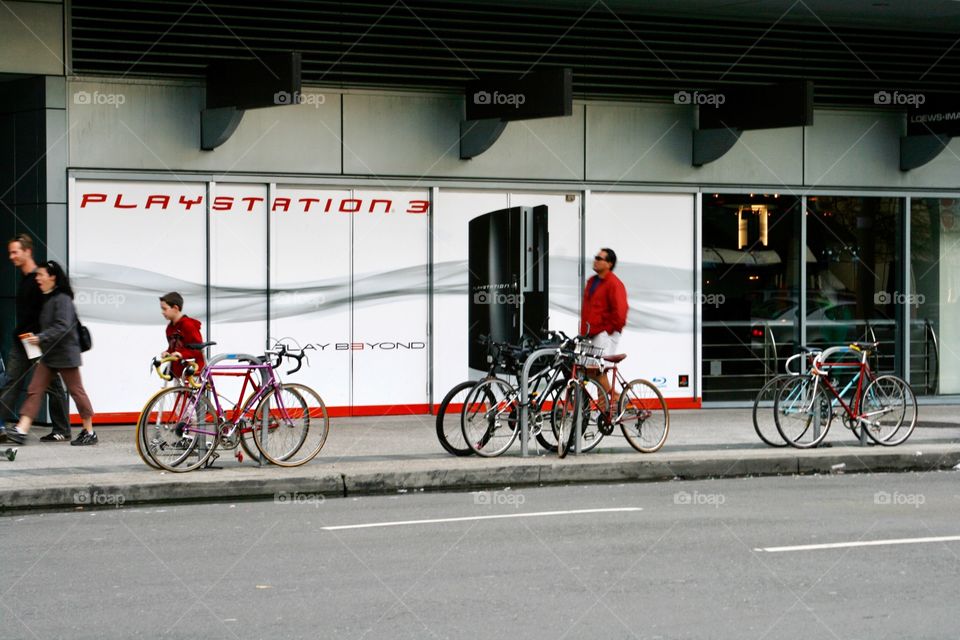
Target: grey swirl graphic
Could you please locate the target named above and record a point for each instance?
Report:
(116, 294)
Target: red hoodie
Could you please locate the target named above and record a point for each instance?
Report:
(185, 331)
(606, 309)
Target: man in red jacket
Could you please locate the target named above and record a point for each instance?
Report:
(181, 331)
(604, 310)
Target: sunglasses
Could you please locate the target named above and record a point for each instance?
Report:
(600, 258)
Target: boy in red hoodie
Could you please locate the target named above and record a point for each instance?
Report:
(181, 331)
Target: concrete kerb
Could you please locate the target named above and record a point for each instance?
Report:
(514, 473)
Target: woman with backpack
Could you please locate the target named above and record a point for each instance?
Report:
(60, 342)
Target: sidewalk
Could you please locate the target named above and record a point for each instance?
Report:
(400, 454)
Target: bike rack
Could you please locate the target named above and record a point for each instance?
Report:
(264, 429)
(524, 398)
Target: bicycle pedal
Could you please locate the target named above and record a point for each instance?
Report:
(239, 456)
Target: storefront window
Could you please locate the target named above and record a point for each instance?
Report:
(751, 258)
(933, 306)
(853, 273)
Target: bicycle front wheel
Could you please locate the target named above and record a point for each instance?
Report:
(542, 415)
(643, 416)
(177, 432)
(290, 425)
(764, 422)
(566, 417)
(582, 406)
(143, 428)
(803, 412)
(889, 410)
(595, 409)
(490, 417)
(449, 432)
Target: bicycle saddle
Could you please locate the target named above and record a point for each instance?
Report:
(805, 349)
(199, 345)
(615, 358)
(865, 346)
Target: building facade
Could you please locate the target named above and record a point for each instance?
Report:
(341, 221)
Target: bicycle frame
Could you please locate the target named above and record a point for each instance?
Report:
(864, 375)
(207, 383)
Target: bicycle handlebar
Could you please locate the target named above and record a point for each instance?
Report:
(158, 362)
(281, 351)
(189, 370)
(807, 352)
(820, 357)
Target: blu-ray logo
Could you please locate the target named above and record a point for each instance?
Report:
(660, 381)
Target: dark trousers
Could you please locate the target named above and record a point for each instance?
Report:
(19, 372)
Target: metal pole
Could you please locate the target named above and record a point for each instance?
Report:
(525, 398)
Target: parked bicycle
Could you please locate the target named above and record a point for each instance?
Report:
(181, 427)
(884, 406)
(489, 418)
(641, 411)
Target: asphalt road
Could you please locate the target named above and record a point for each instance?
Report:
(665, 560)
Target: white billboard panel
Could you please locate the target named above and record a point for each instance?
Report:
(131, 242)
(652, 235)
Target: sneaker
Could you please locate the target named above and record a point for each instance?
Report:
(55, 437)
(85, 438)
(16, 437)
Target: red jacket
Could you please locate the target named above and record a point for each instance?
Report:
(185, 331)
(606, 309)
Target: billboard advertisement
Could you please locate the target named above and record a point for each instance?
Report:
(374, 279)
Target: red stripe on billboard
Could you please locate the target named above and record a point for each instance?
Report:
(362, 411)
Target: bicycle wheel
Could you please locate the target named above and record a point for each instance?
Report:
(449, 432)
(542, 416)
(802, 412)
(889, 408)
(595, 415)
(586, 409)
(643, 416)
(177, 430)
(489, 418)
(764, 422)
(142, 429)
(297, 425)
(566, 417)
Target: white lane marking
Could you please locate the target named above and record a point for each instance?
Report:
(865, 543)
(535, 514)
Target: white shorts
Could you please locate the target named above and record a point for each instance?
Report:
(607, 342)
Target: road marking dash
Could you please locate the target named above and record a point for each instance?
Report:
(863, 543)
(535, 514)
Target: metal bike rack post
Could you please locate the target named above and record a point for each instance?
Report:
(263, 380)
(524, 396)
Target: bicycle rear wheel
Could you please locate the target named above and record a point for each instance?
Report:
(643, 416)
(297, 425)
(489, 418)
(543, 416)
(803, 412)
(889, 409)
(764, 422)
(178, 433)
(449, 432)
